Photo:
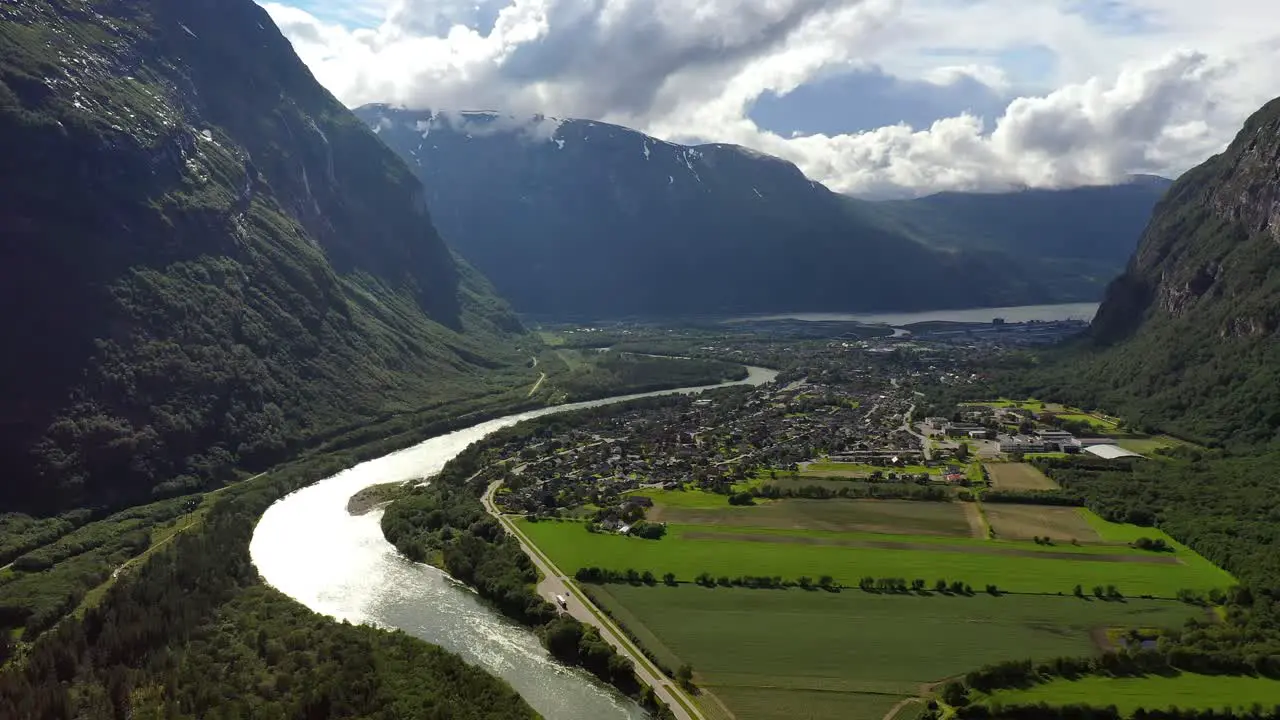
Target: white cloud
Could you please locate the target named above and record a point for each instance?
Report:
(1115, 99)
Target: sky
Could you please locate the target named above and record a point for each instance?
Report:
(876, 98)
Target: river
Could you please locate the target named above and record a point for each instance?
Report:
(309, 547)
(1019, 313)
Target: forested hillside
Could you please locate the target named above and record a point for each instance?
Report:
(1069, 237)
(581, 219)
(207, 261)
(1186, 338)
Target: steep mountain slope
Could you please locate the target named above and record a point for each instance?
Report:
(206, 259)
(1086, 232)
(1190, 327)
(580, 218)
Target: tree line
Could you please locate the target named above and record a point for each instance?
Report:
(890, 585)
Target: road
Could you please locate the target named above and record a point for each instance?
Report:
(542, 377)
(555, 582)
(924, 441)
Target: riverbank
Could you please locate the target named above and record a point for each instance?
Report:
(309, 547)
(376, 497)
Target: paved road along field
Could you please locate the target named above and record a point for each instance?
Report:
(556, 583)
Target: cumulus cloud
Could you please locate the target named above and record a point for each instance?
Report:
(1115, 101)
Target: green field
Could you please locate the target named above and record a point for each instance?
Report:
(766, 653)
(836, 515)
(1032, 405)
(1128, 694)
(684, 498)
(766, 703)
(1148, 445)
(1018, 476)
(1098, 423)
(689, 550)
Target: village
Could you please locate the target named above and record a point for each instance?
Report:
(825, 410)
(842, 408)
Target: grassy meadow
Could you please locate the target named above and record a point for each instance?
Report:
(1018, 476)
(689, 550)
(767, 653)
(836, 515)
(849, 654)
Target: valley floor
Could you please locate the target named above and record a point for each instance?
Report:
(854, 653)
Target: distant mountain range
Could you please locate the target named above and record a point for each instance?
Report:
(582, 219)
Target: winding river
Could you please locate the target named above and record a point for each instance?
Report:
(307, 546)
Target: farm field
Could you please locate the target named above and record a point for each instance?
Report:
(1099, 424)
(1032, 405)
(1128, 694)
(749, 703)
(1147, 445)
(689, 550)
(772, 653)
(1023, 522)
(875, 516)
(1018, 476)
(698, 499)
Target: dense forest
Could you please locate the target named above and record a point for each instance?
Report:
(194, 634)
(612, 373)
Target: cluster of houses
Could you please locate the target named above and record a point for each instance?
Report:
(854, 413)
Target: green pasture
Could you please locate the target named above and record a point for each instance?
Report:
(1098, 423)
(770, 703)
(1148, 445)
(910, 517)
(764, 651)
(1032, 405)
(1184, 690)
(689, 550)
(695, 499)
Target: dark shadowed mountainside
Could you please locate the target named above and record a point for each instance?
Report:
(580, 219)
(205, 260)
(1085, 233)
(1188, 332)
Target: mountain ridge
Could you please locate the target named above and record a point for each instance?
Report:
(243, 264)
(583, 219)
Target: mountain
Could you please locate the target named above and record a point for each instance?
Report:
(574, 218)
(206, 259)
(1187, 335)
(1085, 232)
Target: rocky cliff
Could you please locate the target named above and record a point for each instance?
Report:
(1189, 329)
(205, 258)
